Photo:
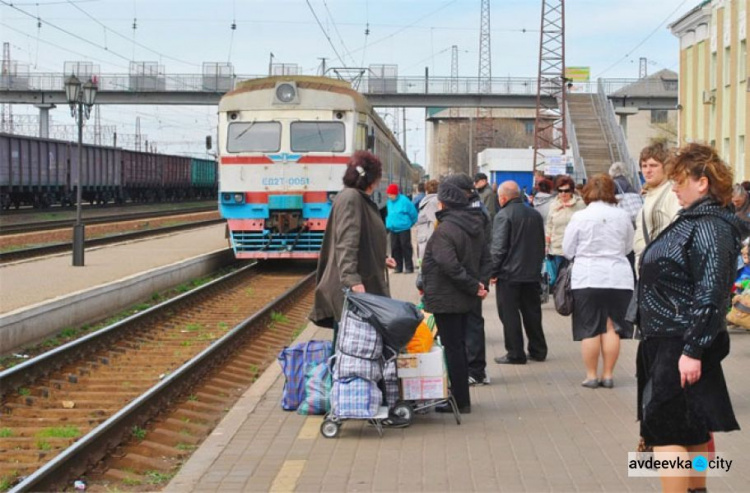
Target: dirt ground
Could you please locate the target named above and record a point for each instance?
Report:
(99, 230)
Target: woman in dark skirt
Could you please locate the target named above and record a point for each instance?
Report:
(685, 282)
(599, 239)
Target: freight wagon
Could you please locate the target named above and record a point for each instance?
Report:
(42, 172)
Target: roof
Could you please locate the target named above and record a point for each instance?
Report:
(659, 84)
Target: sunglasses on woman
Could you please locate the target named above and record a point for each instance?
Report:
(563, 190)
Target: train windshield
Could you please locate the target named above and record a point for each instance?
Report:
(254, 137)
(318, 137)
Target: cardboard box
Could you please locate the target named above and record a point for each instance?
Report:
(420, 388)
(415, 365)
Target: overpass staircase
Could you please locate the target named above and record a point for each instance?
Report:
(600, 139)
(594, 139)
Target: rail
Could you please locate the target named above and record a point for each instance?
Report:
(579, 165)
(614, 130)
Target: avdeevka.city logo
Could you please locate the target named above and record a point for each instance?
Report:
(655, 464)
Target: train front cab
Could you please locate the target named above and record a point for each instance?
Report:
(276, 225)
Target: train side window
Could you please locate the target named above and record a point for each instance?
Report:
(361, 136)
(254, 137)
(318, 137)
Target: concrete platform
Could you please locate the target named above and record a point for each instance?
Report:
(42, 296)
(534, 428)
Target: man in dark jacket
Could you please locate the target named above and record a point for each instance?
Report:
(488, 197)
(455, 272)
(517, 254)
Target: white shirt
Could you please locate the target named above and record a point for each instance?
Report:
(599, 237)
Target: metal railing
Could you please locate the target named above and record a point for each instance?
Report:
(614, 132)
(369, 85)
(579, 165)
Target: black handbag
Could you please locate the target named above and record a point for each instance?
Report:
(562, 293)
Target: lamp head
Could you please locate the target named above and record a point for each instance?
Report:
(89, 93)
(72, 89)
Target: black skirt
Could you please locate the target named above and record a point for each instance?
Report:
(593, 306)
(671, 415)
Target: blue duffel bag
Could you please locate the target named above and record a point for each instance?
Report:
(295, 362)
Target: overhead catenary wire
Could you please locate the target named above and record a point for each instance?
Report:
(335, 28)
(140, 45)
(325, 33)
(643, 41)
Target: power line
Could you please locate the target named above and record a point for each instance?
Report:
(656, 29)
(335, 28)
(325, 33)
(106, 28)
(65, 31)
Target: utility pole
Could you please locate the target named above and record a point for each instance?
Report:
(270, 64)
(642, 68)
(550, 125)
(484, 115)
(322, 65)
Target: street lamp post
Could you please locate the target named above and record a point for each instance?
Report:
(81, 99)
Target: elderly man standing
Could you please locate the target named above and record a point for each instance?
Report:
(517, 254)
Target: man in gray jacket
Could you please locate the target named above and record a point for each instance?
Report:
(486, 194)
(517, 253)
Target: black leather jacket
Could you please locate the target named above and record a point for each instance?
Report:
(686, 276)
(517, 249)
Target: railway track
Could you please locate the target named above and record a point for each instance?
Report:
(9, 229)
(128, 403)
(40, 251)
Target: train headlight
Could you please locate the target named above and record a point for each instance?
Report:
(238, 198)
(226, 197)
(286, 92)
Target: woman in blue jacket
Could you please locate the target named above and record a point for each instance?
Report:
(402, 215)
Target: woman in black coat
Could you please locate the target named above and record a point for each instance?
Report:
(686, 277)
(455, 271)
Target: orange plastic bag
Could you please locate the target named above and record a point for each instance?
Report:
(422, 340)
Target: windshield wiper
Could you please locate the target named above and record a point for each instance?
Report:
(237, 137)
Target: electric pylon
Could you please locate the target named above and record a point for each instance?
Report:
(483, 135)
(549, 126)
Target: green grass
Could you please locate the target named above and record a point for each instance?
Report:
(279, 317)
(158, 477)
(131, 482)
(253, 368)
(138, 433)
(185, 446)
(186, 343)
(24, 391)
(6, 433)
(192, 398)
(68, 333)
(8, 480)
(59, 432)
(222, 325)
(193, 327)
(43, 445)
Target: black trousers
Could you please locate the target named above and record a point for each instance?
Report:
(402, 250)
(475, 345)
(452, 331)
(516, 301)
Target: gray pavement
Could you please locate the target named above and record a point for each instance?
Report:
(534, 428)
(30, 282)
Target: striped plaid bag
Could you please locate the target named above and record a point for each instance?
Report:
(355, 398)
(295, 362)
(358, 338)
(317, 390)
(348, 366)
(391, 383)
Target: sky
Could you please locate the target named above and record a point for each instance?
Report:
(607, 35)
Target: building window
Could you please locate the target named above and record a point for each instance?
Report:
(528, 127)
(727, 66)
(670, 84)
(742, 68)
(713, 70)
(659, 116)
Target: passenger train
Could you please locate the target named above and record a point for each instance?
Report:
(284, 143)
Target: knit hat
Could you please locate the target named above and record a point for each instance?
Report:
(479, 176)
(455, 191)
(392, 189)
